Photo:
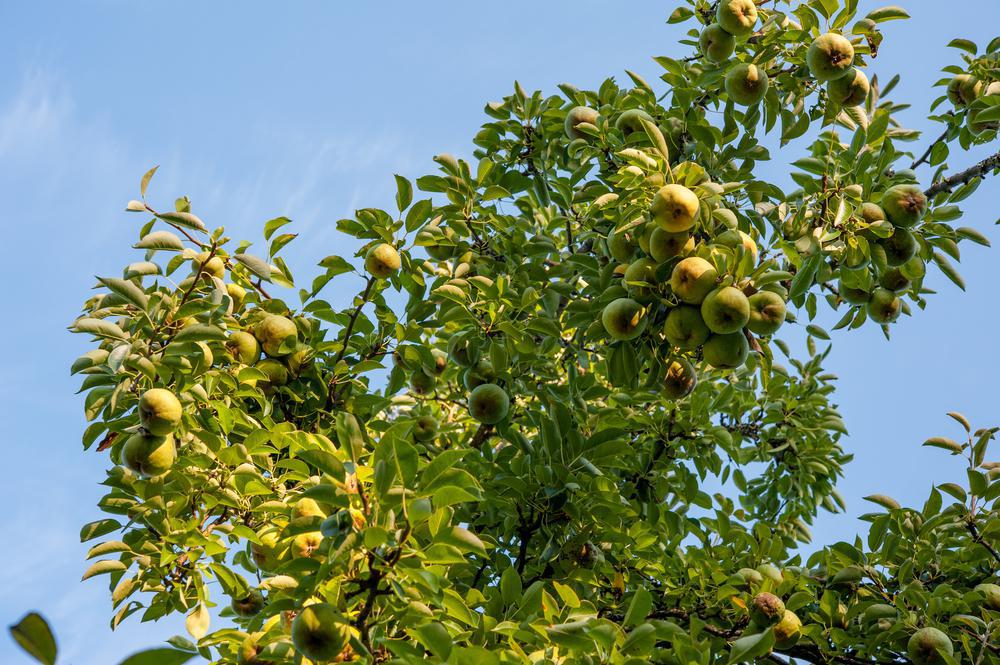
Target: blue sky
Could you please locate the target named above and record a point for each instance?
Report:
(306, 109)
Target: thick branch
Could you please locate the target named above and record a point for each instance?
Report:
(977, 537)
(989, 164)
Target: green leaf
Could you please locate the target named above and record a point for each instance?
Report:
(163, 240)
(885, 501)
(200, 332)
(98, 529)
(162, 656)
(127, 290)
(104, 567)
(404, 193)
(185, 219)
(145, 180)
(255, 265)
(890, 13)
(32, 633)
(749, 647)
(638, 609)
(99, 328)
(964, 45)
(944, 443)
(680, 15)
(273, 225)
(436, 638)
(197, 621)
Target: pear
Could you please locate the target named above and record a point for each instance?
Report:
(488, 403)
(664, 245)
(852, 295)
(243, 347)
(735, 238)
(926, 646)
(963, 89)
(319, 633)
(577, 115)
(884, 306)
(746, 84)
(692, 279)
(248, 605)
(725, 310)
(737, 17)
(425, 428)
(991, 595)
(684, 327)
(422, 383)
(149, 454)
(639, 272)
(716, 44)
(900, 247)
(624, 319)
(159, 411)
(766, 609)
(622, 245)
(382, 261)
(277, 374)
(830, 56)
(726, 351)
(630, 121)
(787, 631)
(680, 379)
(767, 313)
(275, 334)
(213, 266)
(674, 208)
(850, 89)
(904, 205)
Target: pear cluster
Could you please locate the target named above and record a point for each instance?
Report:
(966, 92)
(745, 83)
(831, 59)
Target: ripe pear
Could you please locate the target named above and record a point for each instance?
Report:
(716, 44)
(737, 17)
(684, 327)
(680, 379)
(692, 279)
(963, 89)
(305, 545)
(319, 633)
(871, 213)
(766, 609)
(900, 247)
(624, 319)
(904, 205)
(630, 121)
(243, 347)
(641, 270)
(382, 261)
(149, 454)
(884, 306)
(577, 115)
(746, 84)
(771, 572)
(735, 238)
(664, 245)
(425, 428)
(237, 294)
(622, 245)
(991, 595)
(277, 374)
(306, 507)
(276, 334)
(767, 313)
(422, 383)
(214, 266)
(926, 646)
(787, 631)
(674, 208)
(726, 351)
(488, 403)
(725, 310)
(248, 605)
(267, 553)
(830, 56)
(850, 89)
(159, 411)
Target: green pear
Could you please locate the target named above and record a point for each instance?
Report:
(871, 213)
(692, 279)
(577, 115)
(746, 84)
(622, 245)
(904, 205)
(425, 428)
(878, 613)
(267, 553)
(929, 646)
(726, 351)
(248, 605)
(439, 243)
(237, 294)
(893, 279)
(624, 319)
(679, 380)
(737, 17)
(640, 272)
(304, 545)
(422, 383)
(664, 245)
(852, 295)
(750, 576)
(277, 374)
(716, 44)
(884, 306)
(771, 572)
(850, 89)
(319, 633)
(630, 121)
(787, 631)
(684, 327)
(767, 313)
(766, 609)
(213, 266)
(725, 310)
(149, 454)
(830, 56)
(382, 261)
(735, 238)
(300, 357)
(481, 373)
(488, 403)
(306, 507)
(963, 89)
(159, 411)
(900, 247)
(991, 595)
(276, 334)
(243, 347)
(674, 208)
(464, 351)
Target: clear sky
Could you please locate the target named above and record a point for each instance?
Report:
(306, 109)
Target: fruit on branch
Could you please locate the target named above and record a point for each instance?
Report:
(213, 266)
(893, 279)
(481, 373)
(622, 245)
(250, 651)
(750, 576)
(644, 271)
(884, 306)
(976, 124)
(680, 379)
(725, 310)
(664, 245)
(301, 356)
(963, 89)
(276, 334)
(266, 554)
(422, 383)
(630, 121)
(276, 373)
(904, 205)
(900, 247)
(159, 411)
(576, 116)
(149, 454)
(439, 243)
(726, 351)
(716, 44)
(488, 403)
(319, 632)
(735, 238)
(926, 646)
(440, 359)
(684, 327)
(243, 347)
(746, 84)
(306, 507)
(830, 56)
(463, 351)
(880, 615)
(692, 279)
(737, 17)
(850, 89)
(767, 313)
(382, 261)
(248, 605)
(425, 428)
(787, 631)
(771, 572)
(990, 594)
(237, 294)
(852, 295)
(871, 213)
(674, 208)
(766, 609)
(304, 545)
(624, 319)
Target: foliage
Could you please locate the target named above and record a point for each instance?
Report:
(554, 470)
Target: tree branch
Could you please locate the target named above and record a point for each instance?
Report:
(927, 153)
(989, 164)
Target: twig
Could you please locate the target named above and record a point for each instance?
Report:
(927, 153)
(990, 163)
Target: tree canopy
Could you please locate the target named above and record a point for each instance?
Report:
(575, 435)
